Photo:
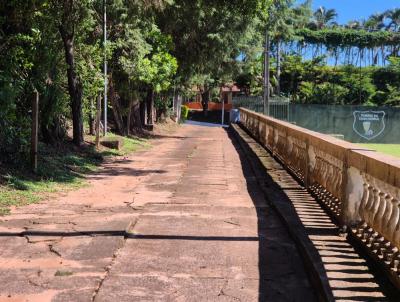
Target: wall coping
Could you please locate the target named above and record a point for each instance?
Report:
(378, 165)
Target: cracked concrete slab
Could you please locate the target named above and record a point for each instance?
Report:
(199, 230)
(202, 242)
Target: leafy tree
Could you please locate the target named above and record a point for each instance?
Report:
(206, 35)
(140, 62)
(19, 36)
(74, 20)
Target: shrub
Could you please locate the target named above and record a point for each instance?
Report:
(360, 86)
(305, 93)
(393, 96)
(328, 93)
(14, 140)
(184, 112)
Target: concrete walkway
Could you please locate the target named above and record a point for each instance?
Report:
(185, 221)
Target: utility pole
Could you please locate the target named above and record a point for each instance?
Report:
(98, 117)
(223, 107)
(105, 65)
(266, 73)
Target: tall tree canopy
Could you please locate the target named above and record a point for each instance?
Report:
(154, 47)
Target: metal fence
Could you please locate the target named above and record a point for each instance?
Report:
(278, 107)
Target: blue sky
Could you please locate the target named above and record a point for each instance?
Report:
(356, 9)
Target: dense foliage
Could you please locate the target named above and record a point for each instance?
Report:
(316, 60)
(312, 81)
(345, 37)
(155, 49)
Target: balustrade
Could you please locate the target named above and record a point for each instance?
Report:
(360, 188)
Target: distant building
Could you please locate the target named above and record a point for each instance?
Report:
(227, 92)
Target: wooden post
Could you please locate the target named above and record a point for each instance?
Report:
(35, 131)
(98, 116)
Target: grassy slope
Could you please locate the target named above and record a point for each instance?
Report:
(391, 149)
(59, 169)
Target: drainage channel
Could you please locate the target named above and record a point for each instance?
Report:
(337, 270)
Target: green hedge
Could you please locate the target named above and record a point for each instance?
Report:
(343, 37)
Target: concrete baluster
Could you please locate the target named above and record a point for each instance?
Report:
(339, 183)
(396, 223)
(395, 232)
(291, 156)
(364, 204)
(330, 177)
(336, 185)
(375, 207)
(368, 211)
(378, 219)
(387, 246)
(265, 134)
(318, 172)
(370, 204)
(303, 162)
(325, 172)
(377, 224)
(307, 172)
(391, 223)
(371, 216)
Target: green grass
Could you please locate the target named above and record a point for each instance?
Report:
(130, 145)
(391, 149)
(59, 169)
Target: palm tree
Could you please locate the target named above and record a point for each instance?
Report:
(394, 16)
(301, 14)
(285, 22)
(324, 17)
(375, 22)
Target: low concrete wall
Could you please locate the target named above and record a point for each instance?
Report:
(359, 187)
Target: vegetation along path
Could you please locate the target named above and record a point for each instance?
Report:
(184, 221)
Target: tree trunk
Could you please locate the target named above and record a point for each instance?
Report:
(142, 108)
(205, 98)
(75, 88)
(91, 119)
(128, 118)
(116, 108)
(136, 121)
(150, 106)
